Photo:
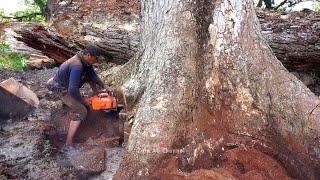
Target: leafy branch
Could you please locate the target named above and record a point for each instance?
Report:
(35, 11)
(22, 17)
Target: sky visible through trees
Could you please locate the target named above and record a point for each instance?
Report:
(303, 4)
(12, 6)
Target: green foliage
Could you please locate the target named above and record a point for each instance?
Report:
(35, 11)
(4, 47)
(17, 61)
(2, 61)
(47, 148)
(29, 14)
(9, 59)
(317, 5)
(40, 4)
(3, 19)
(313, 75)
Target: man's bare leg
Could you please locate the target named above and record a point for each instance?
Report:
(74, 125)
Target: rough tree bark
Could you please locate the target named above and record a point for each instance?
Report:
(293, 38)
(207, 83)
(48, 42)
(117, 45)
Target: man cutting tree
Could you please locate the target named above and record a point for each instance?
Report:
(69, 78)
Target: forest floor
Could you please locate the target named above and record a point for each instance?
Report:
(31, 147)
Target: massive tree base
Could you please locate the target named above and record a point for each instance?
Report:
(209, 88)
(293, 38)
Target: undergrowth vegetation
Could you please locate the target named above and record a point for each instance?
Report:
(9, 59)
(317, 5)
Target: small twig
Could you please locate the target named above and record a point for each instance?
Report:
(281, 4)
(313, 110)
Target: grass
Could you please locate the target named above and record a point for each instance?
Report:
(12, 60)
(47, 148)
(4, 47)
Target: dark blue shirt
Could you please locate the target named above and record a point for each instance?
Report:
(71, 74)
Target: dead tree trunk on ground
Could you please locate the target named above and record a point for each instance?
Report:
(117, 45)
(294, 37)
(207, 83)
(49, 43)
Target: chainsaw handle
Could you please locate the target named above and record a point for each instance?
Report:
(106, 94)
(103, 95)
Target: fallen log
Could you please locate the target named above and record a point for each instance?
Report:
(118, 45)
(49, 42)
(293, 38)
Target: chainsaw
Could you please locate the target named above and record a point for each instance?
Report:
(104, 101)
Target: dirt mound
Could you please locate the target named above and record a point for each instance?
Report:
(238, 163)
(28, 148)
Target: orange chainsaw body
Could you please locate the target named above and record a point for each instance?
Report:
(103, 101)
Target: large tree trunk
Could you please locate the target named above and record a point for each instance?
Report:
(293, 38)
(207, 83)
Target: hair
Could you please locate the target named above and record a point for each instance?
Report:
(92, 50)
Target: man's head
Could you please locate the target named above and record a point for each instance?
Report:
(91, 54)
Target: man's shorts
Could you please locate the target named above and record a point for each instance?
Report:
(76, 110)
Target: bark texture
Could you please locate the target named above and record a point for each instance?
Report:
(61, 13)
(208, 84)
(48, 42)
(117, 44)
(293, 37)
(111, 25)
(37, 58)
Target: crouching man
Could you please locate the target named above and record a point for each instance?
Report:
(69, 78)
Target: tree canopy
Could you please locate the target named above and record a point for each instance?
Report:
(35, 11)
(268, 3)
